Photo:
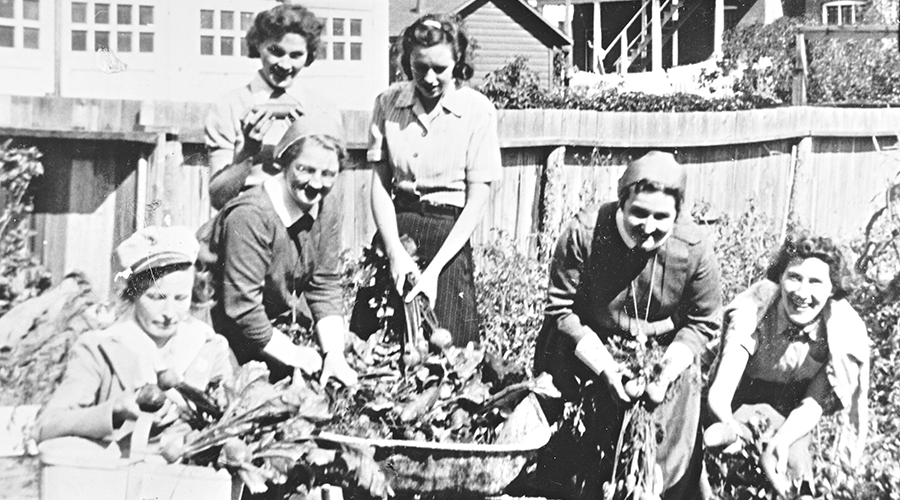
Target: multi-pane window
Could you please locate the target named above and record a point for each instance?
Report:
(20, 23)
(120, 27)
(342, 39)
(223, 32)
(841, 12)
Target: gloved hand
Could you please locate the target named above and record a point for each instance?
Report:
(591, 351)
(335, 366)
(676, 358)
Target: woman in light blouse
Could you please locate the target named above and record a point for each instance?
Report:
(434, 151)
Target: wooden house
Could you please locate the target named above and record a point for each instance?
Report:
(500, 29)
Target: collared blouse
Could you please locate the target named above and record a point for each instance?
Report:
(224, 135)
(435, 155)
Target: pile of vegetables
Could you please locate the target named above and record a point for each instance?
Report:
(413, 385)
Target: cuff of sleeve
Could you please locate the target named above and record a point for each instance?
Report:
(591, 351)
(485, 176)
(690, 338)
(373, 156)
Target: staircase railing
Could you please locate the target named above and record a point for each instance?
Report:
(631, 50)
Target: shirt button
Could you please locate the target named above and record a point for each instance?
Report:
(415, 155)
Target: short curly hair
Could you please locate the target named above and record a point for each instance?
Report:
(280, 20)
(805, 246)
(431, 30)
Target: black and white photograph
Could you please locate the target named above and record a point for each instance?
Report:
(660, 260)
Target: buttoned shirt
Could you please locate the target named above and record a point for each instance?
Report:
(434, 155)
(224, 134)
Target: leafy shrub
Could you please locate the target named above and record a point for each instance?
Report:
(21, 276)
(516, 86)
(840, 71)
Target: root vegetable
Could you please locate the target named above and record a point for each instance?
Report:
(635, 388)
(150, 398)
(441, 338)
(234, 453)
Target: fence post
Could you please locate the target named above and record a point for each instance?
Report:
(798, 97)
(801, 184)
(552, 193)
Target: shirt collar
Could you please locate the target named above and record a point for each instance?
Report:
(786, 326)
(285, 207)
(262, 91)
(451, 101)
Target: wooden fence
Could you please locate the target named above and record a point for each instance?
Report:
(144, 162)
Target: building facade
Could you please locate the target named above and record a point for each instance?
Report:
(177, 50)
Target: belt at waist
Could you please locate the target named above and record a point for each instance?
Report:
(404, 202)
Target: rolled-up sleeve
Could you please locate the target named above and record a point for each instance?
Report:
(323, 292)
(246, 258)
(565, 278)
(701, 303)
(377, 147)
(483, 163)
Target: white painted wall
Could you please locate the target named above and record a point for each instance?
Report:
(175, 70)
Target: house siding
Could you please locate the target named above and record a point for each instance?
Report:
(499, 39)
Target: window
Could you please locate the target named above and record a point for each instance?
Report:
(146, 42)
(31, 10)
(101, 13)
(123, 14)
(20, 24)
(342, 39)
(146, 15)
(206, 19)
(101, 40)
(79, 41)
(841, 12)
(31, 38)
(206, 45)
(92, 20)
(222, 32)
(123, 41)
(79, 12)
(7, 34)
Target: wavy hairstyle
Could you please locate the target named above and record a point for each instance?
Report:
(280, 20)
(434, 29)
(805, 246)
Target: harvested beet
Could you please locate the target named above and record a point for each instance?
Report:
(151, 398)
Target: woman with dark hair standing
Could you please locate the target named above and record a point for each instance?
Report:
(434, 152)
(793, 350)
(155, 333)
(244, 126)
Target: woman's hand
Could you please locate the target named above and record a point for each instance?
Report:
(255, 125)
(774, 464)
(335, 366)
(426, 285)
(125, 408)
(613, 378)
(402, 266)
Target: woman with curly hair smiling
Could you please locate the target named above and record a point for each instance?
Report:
(793, 350)
(243, 127)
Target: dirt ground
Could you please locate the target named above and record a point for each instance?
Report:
(19, 478)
